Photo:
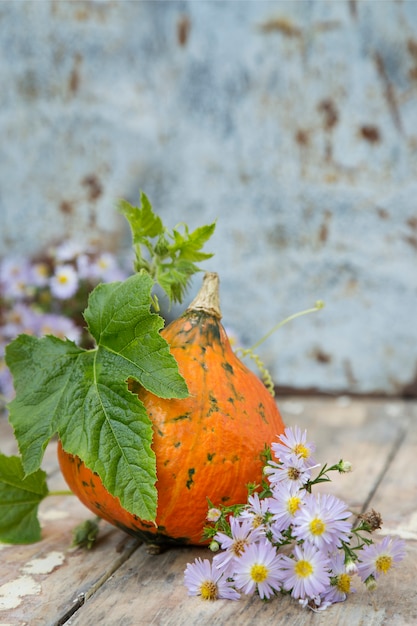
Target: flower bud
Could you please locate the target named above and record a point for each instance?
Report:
(214, 546)
(213, 515)
(345, 466)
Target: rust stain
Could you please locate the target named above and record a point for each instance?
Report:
(329, 112)
(370, 133)
(389, 92)
(66, 207)
(94, 187)
(321, 356)
(412, 222)
(74, 77)
(412, 49)
(302, 137)
(353, 9)
(382, 213)
(281, 25)
(183, 29)
(411, 240)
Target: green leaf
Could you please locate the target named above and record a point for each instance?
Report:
(143, 221)
(169, 257)
(82, 395)
(19, 500)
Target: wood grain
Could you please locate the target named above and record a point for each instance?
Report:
(119, 583)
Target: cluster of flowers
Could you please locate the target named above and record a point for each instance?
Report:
(46, 295)
(286, 539)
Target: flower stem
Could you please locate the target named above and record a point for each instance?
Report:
(317, 307)
(61, 492)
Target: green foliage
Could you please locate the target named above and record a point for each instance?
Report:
(169, 257)
(82, 395)
(19, 500)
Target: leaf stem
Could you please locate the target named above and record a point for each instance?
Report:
(60, 492)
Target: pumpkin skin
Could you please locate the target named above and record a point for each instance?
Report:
(207, 445)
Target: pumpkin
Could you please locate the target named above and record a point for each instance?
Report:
(208, 445)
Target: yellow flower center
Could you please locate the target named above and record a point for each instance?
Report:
(257, 520)
(343, 583)
(208, 590)
(383, 563)
(293, 473)
(303, 569)
(301, 450)
(293, 504)
(258, 573)
(238, 546)
(63, 279)
(317, 526)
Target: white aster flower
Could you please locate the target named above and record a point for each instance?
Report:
(322, 521)
(378, 558)
(64, 282)
(208, 582)
(259, 569)
(294, 441)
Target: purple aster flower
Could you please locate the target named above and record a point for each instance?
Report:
(208, 582)
(305, 574)
(59, 326)
(293, 441)
(286, 500)
(64, 282)
(256, 510)
(340, 580)
(39, 274)
(322, 521)
(378, 558)
(259, 569)
(243, 535)
(20, 319)
(14, 277)
(292, 469)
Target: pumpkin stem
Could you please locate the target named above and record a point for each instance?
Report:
(208, 298)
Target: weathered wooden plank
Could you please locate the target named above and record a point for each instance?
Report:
(49, 579)
(149, 589)
(124, 585)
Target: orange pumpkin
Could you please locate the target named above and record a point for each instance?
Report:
(207, 445)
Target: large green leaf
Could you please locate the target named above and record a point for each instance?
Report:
(19, 500)
(82, 395)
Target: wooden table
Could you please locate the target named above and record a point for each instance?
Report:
(118, 583)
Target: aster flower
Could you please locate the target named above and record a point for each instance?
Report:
(69, 250)
(20, 319)
(286, 500)
(15, 277)
(305, 574)
(256, 510)
(378, 558)
(59, 326)
(39, 274)
(104, 268)
(213, 514)
(258, 569)
(322, 521)
(340, 580)
(243, 535)
(64, 282)
(208, 582)
(292, 469)
(293, 441)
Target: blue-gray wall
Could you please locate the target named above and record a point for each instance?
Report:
(292, 123)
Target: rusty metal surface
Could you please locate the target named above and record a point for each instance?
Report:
(292, 123)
